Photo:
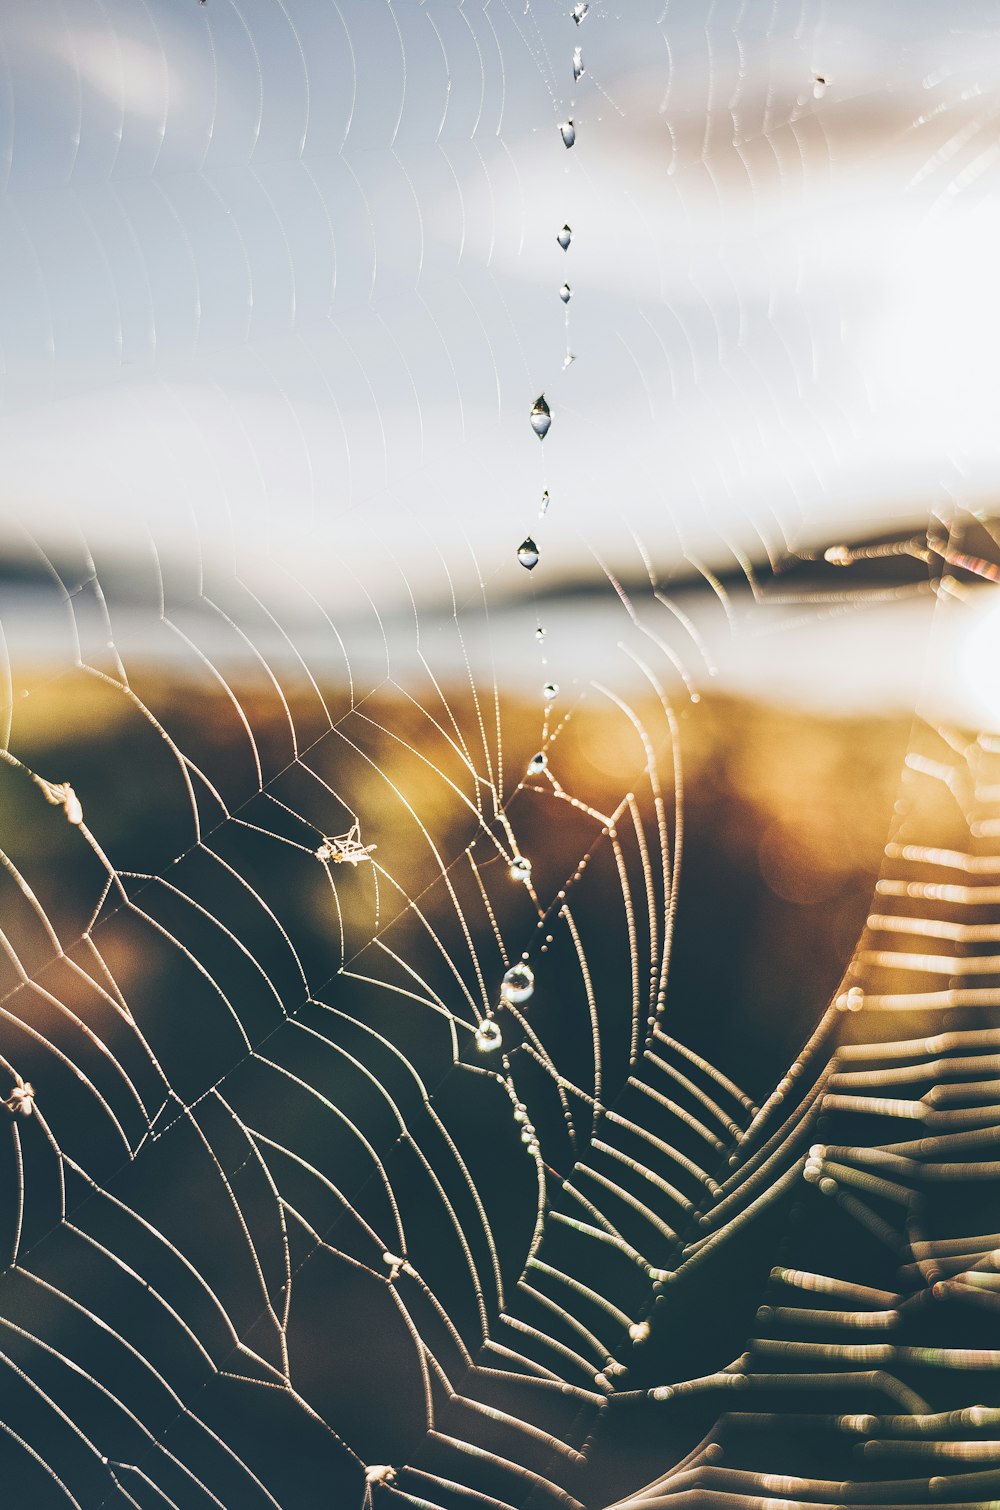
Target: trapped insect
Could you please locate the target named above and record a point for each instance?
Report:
(345, 849)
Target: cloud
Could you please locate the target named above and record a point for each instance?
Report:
(132, 73)
(123, 70)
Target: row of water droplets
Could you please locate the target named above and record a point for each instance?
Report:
(541, 415)
(518, 983)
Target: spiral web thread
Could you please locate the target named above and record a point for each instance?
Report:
(301, 1205)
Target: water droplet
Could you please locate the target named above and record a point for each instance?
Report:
(538, 763)
(579, 11)
(565, 293)
(541, 417)
(819, 86)
(545, 505)
(518, 984)
(527, 553)
(567, 131)
(564, 237)
(539, 633)
(520, 869)
(838, 555)
(550, 691)
(488, 1036)
(568, 359)
(578, 66)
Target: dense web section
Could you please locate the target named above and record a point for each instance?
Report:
(371, 1135)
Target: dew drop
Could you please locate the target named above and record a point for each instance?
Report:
(579, 11)
(545, 505)
(541, 417)
(564, 237)
(578, 66)
(550, 692)
(520, 869)
(819, 86)
(838, 555)
(518, 984)
(527, 553)
(568, 359)
(488, 1036)
(567, 131)
(565, 293)
(539, 633)
(538, 763)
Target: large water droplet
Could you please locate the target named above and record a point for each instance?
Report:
(541, 417)
(527, 553)
(819, 86)
(564, 237)
(518, 984)
(520, 869)
(488, 1036)
(565, 293)
(579, 11)
(537, 763)
(578, 65)
(550, 691)
(568, 133)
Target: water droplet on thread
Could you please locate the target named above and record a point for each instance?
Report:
(520, 869)
(569, 359)
(550, 691)
(564, 237)
(819, 86)
(578, 65)
(488, 1036)
(838, 555)
(545, 505)
(539, 633)
(527, 553)
(538, 763)
(541, 417)
(518, 984)
(567, 131)
(565, 293)
(579, 11)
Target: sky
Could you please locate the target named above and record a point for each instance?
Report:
(279, 283)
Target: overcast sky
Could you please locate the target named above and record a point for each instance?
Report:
(279, 282)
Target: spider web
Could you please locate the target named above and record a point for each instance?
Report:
(359, 1126)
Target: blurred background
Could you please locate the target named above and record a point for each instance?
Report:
(279, 286)
(280, 283)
